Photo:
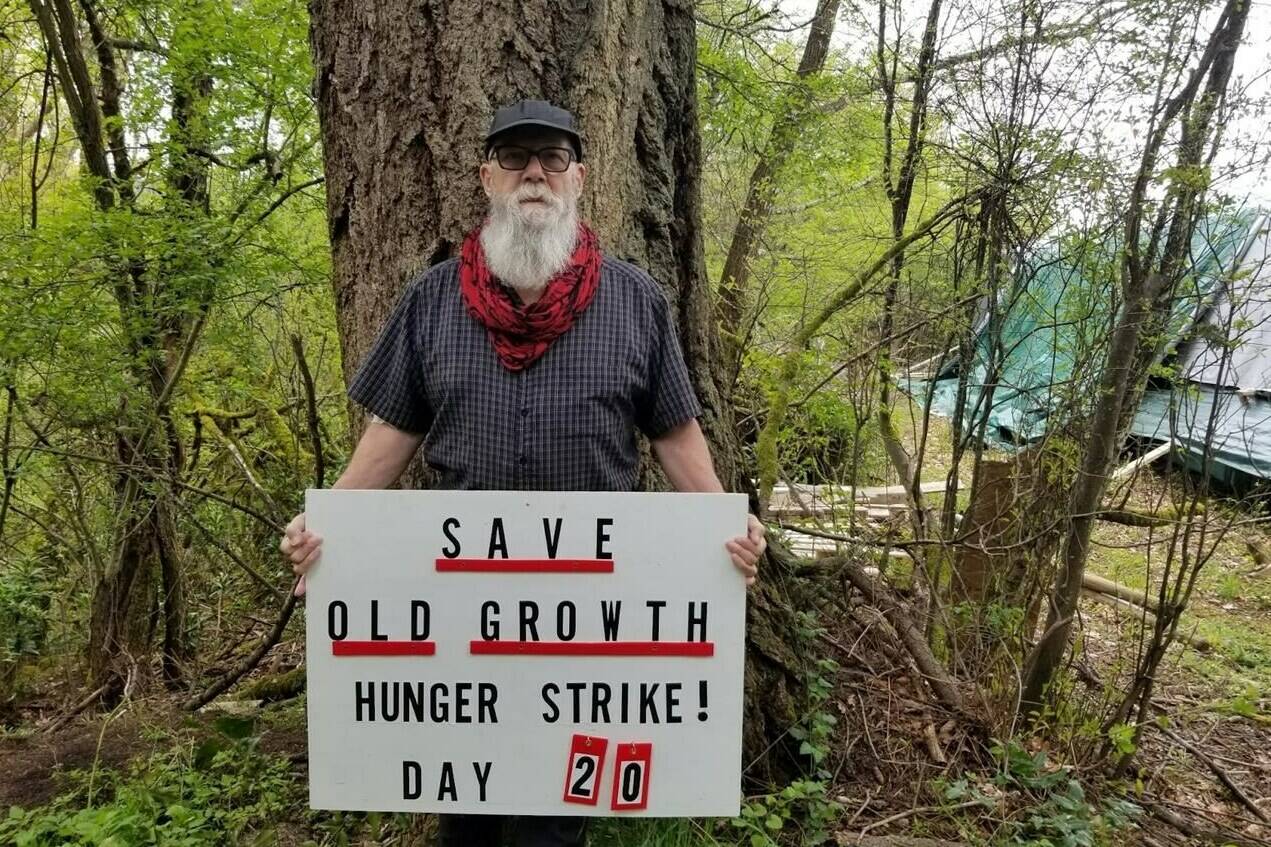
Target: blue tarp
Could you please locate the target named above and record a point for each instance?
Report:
(1061, 305)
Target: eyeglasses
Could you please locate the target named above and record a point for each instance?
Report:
(553, 159)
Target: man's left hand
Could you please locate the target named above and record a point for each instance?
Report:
(746, 550)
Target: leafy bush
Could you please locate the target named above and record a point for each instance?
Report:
(25, 593)
(1046, 804)
(823, 440)
(225, 791)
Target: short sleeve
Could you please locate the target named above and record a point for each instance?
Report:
(669, 399)
(390, 383)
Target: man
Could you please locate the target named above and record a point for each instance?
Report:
(528, 363)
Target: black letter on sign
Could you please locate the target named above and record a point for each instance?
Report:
(529, 620)
(497, 539)
(490, 626)
(696, 622)
(420, 620)
(446, 526)
(337, 633)
(412, 780)
(609, 614)
(566, 623)
(552, 538)
(656, 607)
(482, 776)
(602, 537)
(376, 635)
(550, 690)
(447, 784)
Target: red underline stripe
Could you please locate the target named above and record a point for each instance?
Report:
(525, 565)
(383, 648)
(697, 649)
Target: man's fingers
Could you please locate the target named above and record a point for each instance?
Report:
(301, 547)
(299, 552)
(308, 561)
(296, 527)
(745, 567)
(755, 532)
(295, 541)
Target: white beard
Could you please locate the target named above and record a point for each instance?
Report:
(525, 247)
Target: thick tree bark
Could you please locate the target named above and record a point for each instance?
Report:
(405, 93)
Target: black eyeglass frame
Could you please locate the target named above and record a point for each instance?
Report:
(496, 154)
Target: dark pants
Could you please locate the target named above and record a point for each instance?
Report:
(488, 831)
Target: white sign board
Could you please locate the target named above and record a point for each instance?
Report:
(525, 653)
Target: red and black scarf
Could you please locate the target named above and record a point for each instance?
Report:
(520, 334)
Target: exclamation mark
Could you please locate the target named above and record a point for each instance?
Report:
(701, 700)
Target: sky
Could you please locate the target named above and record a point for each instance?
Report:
(1252, 73)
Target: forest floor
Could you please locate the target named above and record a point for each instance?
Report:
(150, 764)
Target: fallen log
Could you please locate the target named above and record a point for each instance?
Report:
(1115, 589)
(1197, 642)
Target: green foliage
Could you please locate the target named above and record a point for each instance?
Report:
(804, 805)
(225, 791)
(1046, 804)
(825, 439)
(24, 607)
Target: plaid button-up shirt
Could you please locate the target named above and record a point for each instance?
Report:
(566, 423)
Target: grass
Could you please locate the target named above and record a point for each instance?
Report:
(612, 832)
(1229, 609)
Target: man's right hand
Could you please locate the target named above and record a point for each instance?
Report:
(301, 547)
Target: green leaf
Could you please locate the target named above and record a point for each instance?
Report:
(234, 727)
(207, 752)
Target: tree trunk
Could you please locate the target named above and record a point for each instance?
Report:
(157, 337)
(735, 279)
(405, 93)
(1148, 288)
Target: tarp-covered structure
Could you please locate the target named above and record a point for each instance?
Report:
(1211, 387)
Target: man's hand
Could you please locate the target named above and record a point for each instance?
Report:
(747, 549)
(301, 547)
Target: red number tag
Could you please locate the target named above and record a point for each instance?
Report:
(582, 772)
(631, 776)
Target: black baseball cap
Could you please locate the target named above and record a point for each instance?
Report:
(534, 113)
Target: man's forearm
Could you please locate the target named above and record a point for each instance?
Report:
(686, 459)
(381, 455)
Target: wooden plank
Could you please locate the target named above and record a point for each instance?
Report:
(1143, 461)
(897, 493)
